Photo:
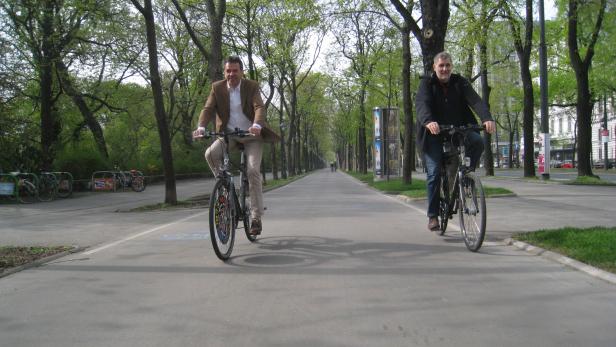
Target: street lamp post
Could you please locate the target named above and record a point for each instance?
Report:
(543, 81)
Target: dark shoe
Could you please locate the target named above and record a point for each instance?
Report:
(255, 227)
(433, 224)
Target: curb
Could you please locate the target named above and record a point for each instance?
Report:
(41, 261)
(590, 270)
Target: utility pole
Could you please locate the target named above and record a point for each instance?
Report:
(543, 81)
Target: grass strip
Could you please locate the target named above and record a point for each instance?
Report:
(416, 189)
(12, 256)
(594, 246)
(590, 181)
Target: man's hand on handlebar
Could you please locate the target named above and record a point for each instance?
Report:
(433, 128)
(490, 126)
(255, 130)
(199, 133)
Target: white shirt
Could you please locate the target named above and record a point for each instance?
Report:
(237, 117)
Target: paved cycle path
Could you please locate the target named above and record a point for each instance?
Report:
(338, 265)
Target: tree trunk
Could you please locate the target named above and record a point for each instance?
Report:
(523, 50)
(361, 133)
(81, 104)
(488, 162)
(581, 68)
(216, 16)
(50, 125)
(159, 106)
(407, 100)
(584, 123)
(435, 16)
(283, 154)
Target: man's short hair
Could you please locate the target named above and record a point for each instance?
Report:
(234, 59)
(442, 56)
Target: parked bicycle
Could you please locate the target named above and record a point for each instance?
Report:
(460, 188)
(47, 186)
(19, 186)
(133, 179)
(65, 184)
(229, 206)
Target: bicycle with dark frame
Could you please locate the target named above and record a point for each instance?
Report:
(460, 188)
(228, 205)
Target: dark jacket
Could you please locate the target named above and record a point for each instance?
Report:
(453, 107)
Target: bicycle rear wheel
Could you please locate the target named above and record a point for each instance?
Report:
(222, 226)
(443, 211)
(48, 187)
(245, 209)
(27, 192)
(65, 184)
(138, 183)
(472, 211)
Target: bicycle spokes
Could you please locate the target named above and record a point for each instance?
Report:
(472, 212)
(222, 217)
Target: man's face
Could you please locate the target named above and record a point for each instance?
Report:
(443, 68)
(233, 74)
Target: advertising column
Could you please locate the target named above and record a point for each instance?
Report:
(377, 115)
(386, 143)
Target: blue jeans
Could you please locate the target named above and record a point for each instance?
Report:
(432, 158)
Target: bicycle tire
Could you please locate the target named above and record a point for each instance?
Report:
(27, 192)
(65, 185)
(473, 213)
(138, 183)
(245, 209)
(443, 203)
(47, 188)
(222, 219)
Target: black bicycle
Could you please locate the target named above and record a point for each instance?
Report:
(460, 188)
(229, 206)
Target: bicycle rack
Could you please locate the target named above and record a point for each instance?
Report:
(8, 188)
(103, 181)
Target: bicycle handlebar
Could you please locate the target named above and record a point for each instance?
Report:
(451, 129)
(237, 132)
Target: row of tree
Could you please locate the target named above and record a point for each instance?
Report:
(496, 43)
(86, 84)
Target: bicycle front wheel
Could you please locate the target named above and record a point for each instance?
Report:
(222, 226)
(472, 211)
(443, 210)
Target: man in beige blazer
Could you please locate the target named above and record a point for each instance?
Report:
(236, 103)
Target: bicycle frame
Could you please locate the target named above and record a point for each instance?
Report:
(464, 194)
(235, 208)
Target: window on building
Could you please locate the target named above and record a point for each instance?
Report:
(560, 126)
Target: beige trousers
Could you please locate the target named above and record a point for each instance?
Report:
(253, 149)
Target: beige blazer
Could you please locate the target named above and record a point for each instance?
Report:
(218, 106)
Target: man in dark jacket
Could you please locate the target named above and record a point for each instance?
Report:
(446, 98)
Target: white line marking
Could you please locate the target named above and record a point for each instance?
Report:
(132, 237)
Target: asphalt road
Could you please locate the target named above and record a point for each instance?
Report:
(338, 264)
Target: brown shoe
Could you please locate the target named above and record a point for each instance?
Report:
(255, 227)
(433, 224)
